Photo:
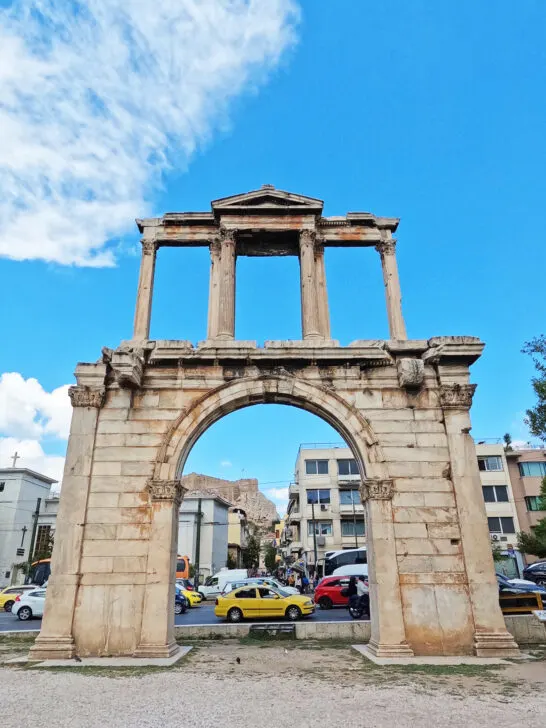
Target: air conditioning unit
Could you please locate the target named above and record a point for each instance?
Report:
(321, 541)
(494, 536)
(323, 507)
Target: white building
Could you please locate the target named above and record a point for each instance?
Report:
(324, 498)
(21, 491)
(214, 531)
(500, 506)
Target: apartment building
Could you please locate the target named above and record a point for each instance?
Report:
(500, 504)
(324, 507)
(527, 470)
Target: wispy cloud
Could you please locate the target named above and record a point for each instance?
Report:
(279, 496)
(99, 98)
(226, 464)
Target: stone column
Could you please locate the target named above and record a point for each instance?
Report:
(56, 640)
(386, 248)
(157, 632)
(388, 637)
(214, 289)
(322, 293)
(143, 309)
(309, 303)
(491, 638)
(226, 295)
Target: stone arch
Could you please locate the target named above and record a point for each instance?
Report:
(269, 389)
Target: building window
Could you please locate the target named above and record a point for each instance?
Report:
(43, 543)
(491, 462)
(534, 503)
(318, 497)
(322, 528)
(2, 485)
(501, 525)
(495, 493)
(535, 470)
(316, 467)
(349, 497)
(348, 528)
(347, 467)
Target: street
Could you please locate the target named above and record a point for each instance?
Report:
(202, 614)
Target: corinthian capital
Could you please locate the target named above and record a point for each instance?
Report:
(308, 237)
(149, 247)
(376, 489)
(457, 396)
(166, 490)
(386, 246)
(227, 235)
(87, 396)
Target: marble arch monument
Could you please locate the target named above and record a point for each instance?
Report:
(402, 405)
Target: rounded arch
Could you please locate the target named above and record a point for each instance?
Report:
(269, 389)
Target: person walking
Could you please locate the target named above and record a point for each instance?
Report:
(305, 584)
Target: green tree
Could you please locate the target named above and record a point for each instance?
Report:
(536, 417)
(251, 555)
(270, 557)
(535, 542)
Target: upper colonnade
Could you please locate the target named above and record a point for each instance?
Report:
(268, 222)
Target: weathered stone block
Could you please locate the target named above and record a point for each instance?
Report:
(425, 515)
(410, 530)
(96, 564)
(443, 530)
(424, 485)
(116, 548)
(94, 531)
(103, 500)
(130, 564)
(417, 454)
(426, 546)
(446, 500)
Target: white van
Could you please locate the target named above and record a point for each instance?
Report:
(214, 585)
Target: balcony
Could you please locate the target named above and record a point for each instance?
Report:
(347, 508)
(293, 489)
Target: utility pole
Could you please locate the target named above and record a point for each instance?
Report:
(34, 529)
(354, 517)
(314, 535)
(197, 544)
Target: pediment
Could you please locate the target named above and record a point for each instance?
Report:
(267, 198)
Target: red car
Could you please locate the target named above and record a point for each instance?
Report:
(328, 592)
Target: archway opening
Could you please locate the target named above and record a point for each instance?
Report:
(272, 490)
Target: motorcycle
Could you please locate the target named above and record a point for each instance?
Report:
(360, 608)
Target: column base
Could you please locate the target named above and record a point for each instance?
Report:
(52, 648)
(156, 650)
(380, 649)
(495, 644)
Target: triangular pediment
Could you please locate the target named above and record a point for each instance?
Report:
(267, 198)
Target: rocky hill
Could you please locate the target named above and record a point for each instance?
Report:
(243, 493)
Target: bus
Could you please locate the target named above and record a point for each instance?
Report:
(182, 567)
(39, 572)
(334, 559)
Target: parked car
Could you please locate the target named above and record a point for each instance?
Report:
(10, 593)
(180, 603)
(536, 572)
(328, 591)
(254, 602)
(30, 604)
(520, 587)
(215, 584)
(265, 580)
(193, 598)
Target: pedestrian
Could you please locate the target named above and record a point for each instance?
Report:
(363, 595)
(352, 591)
(291, 579)
(305, 584)
(297, 583)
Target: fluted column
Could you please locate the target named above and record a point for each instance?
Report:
(386, 248)
(56, 638)
(322, 293)
(214, 289)
(143, 309)
(226, 295)
(388, 637)
(157, 631)
(308, 275)
(491, 638)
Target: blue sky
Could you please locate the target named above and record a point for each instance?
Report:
(432, 112)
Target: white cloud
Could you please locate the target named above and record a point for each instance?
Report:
(279, 496)
(98, 102)
(226, 464)
(28, 411)
(32, 456)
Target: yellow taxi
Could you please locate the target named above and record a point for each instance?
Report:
(256, 601)
(192, 597)
(10, 594)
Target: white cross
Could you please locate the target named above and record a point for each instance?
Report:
(15, 458)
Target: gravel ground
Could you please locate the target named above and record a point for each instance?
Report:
(300, 686)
